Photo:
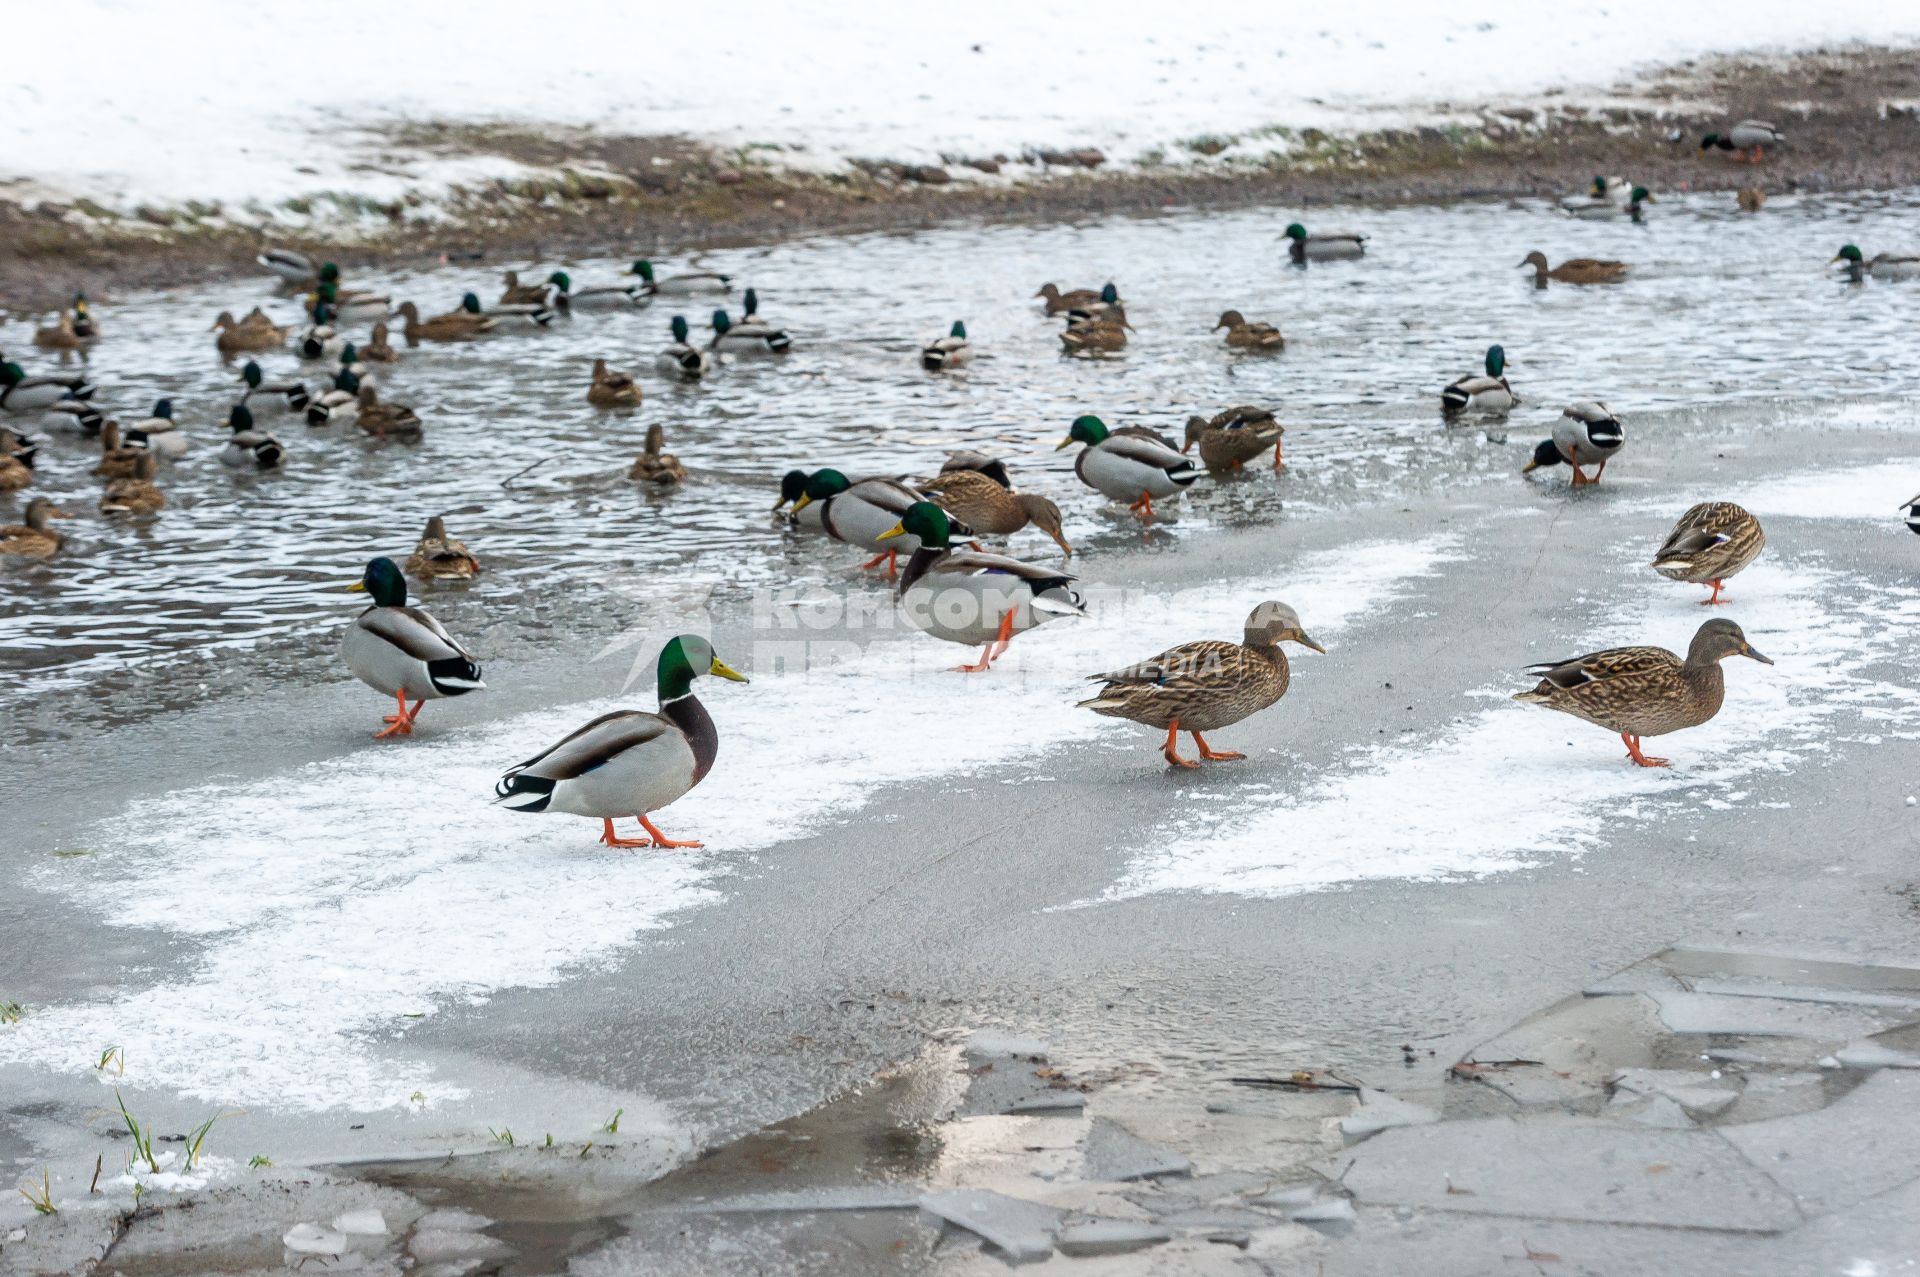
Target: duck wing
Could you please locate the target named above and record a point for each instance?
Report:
(1605, 666)
(593, 745)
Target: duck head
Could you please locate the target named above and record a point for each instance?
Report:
(793, 486)
(1089, 430)
(680, 329)
(384, 581)
(1273, 623)
(822, 485)
(1547, 454)
(925, 520)
(1718, 639)
(685, 658)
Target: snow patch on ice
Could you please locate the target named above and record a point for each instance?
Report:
(1517, 783)
(340, 900)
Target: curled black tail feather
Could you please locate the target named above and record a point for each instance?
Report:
(522, 792)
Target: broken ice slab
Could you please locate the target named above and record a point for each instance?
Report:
(1655, 1111)
(1063, 1102)
(1856, 1147)
(1287, 1199)
(312, 1239)
(1201, 1189)
(1893, 1001)
(1333, 1216)
(1114, 1153)
(1869, 1054)
(1701, 964)
(1109, 1237)
(1602, 1171)
(1722, 1014)
(446, 1245)
(1021, 1230)
(849, 1197)
(1700, 1094)
(361, 1223)
(1378, 1111)
(988, 1044)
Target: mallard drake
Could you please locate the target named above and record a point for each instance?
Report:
(1910, 511)
(117, 459)
(1643, 691)
(344, 306)
(1095, 336)
(16, 461)
(1575, 270)
(612, 388)
(564, 297)
(350, 361)
(292, 394)
(402, 651)
(337, 405)
(951, 351)
(33, 539)
(1605, 208)
(515, 293)
(383, 420)
(1077, 299)
(1325, 246)
(1749, 137)
(967, 597)
(135, 493)
(1750, 199)
(1205, 685)
(1585, 433)
(322, 340)
(158, 433)
(248, 447)
(1107, 308)
(539, 314)
(1230, 439)
(990, 508)
(662, 469)
(747, 339)
(455, 325)
(291, 267)
(864, 514)
(378, 349)
(1489, 393)
(684, 358)
(81, 317)
(236, 336)
(440, 557)
(1881, 266)
(1713, 541)
(59, 337)
(1242, 335)
(20, 393)
(1127, 467)
(630, 763)
(702, 281)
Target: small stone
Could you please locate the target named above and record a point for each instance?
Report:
(1231, 1237)
(729, 177)
(985, 166)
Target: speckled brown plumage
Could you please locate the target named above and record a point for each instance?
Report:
(991, 509)
(1575, 270)
(1230, 439)
(1205, 685)
(1713, 541)
(1643, 691)
(441, 557)
(1243, 335)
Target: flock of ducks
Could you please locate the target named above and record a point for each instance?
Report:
(632, 763)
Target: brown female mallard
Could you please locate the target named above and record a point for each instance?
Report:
(1750, 199)
(16, 458)
(1249, 336)
(117, 460)
(136, 493)
(1230, 439)
(1204, 686)
(654, 466)
(612, 388)
(441, 557)
(1077, 299)
(1643, 691)
(33, 539)
(385, 420)
(1712, 542)
(246, 334)
(515, 293)
(379, 349)
(62, 336)
(1095, 336)
(991, 508)
(455, 325)
(1575, 270)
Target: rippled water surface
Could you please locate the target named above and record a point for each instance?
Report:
(1720, 310)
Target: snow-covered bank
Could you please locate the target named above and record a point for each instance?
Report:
(257, 109)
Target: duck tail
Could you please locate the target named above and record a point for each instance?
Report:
(1453, 399)
(521, 792)
(454, 676)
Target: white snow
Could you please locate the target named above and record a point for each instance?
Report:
(131, 101)
(1518, 783)
(339, 899)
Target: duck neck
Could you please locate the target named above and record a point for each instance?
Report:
(921, 563)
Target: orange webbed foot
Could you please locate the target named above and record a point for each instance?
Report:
(661, 840)
(1207, 751)
(611, 839)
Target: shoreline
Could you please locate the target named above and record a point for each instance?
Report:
(611, 197)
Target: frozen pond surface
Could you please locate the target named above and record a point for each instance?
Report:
(278, 914)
